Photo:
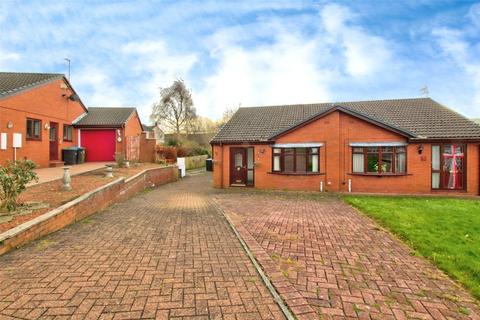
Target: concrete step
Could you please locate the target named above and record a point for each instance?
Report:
(57, 163)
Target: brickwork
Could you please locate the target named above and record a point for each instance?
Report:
(44, 103)
(340, 263)
(164, 254)
(119, 190)
(336, 131)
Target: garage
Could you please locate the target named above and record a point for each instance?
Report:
(99, 144)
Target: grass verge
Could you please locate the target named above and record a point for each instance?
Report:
(444, 230)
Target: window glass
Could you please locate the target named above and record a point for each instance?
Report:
(301, 161)
(33, 129)
(372, 162)
(313, 163)
(436, 157)
(250, 158)
(453, 166)
(358, 164)
(314, 150)
(358, 150)
(436, 180)
(288, 160)
(250, 177)
(400, 164)
(276, 163)
(277, 150)
(36, 128)
(238, 160)
(387, 164)
(68, 132)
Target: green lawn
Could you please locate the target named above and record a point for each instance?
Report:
(444, 230)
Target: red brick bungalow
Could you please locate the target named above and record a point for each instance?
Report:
(384, 146)
(40, 110)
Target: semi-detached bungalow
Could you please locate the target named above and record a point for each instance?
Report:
(41, 114)
(383, 146)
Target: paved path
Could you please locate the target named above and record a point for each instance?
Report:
(338, 263)
(167, 253)
(50, 174)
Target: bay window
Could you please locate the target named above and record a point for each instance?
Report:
(296, 160)
(379, 160)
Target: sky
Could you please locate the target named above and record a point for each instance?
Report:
(249, 53)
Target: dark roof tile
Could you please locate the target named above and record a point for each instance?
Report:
(423, 117)
(14, 82)
(105, 117)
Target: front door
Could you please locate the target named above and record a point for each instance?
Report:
(238, 167)
(53, 141)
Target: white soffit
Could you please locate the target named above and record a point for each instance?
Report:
(379, 144)
(298, 145)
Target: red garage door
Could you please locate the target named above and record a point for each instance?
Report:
(99, 144)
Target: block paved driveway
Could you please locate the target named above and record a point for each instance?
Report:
(329, 261)
(167, 253)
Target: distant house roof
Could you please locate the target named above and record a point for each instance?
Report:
(105, 117)
(14, 82)
(147, 127)
(421, 118)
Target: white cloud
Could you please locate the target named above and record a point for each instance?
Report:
(102, 92)
(290, 65)
(154, 66)
(7, 58)
(474, 14)
(284, 72)
(454, 46)
(364, 53)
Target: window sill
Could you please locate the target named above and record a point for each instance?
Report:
(380, 174)
(65, 140)
(448, 190)
(297, 173)
(33, 139)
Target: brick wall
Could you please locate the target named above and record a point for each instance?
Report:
(45, 103)
(85, 205)
(147, 149)
(336, 131)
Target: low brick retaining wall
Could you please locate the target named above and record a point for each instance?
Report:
(85, 205)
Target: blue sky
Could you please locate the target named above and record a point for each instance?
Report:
(250, 52)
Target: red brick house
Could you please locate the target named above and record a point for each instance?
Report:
(41, 114)
(384, 146)
(104, 132)
(39, 108)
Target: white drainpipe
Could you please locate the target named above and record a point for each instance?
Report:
(321, 186)
(349, 185)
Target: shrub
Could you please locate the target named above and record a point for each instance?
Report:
(193, 148)
(182, 152)
(13, 181)
(167, 153)
(120, 159)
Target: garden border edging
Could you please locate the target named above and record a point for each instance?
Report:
(115, 191)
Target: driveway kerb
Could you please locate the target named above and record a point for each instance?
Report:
(291, 299)
(276, 296)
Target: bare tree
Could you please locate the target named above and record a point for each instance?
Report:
(175, 108)
(201, 125)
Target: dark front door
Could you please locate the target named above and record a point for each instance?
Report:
(53, 141)
(238, 167)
